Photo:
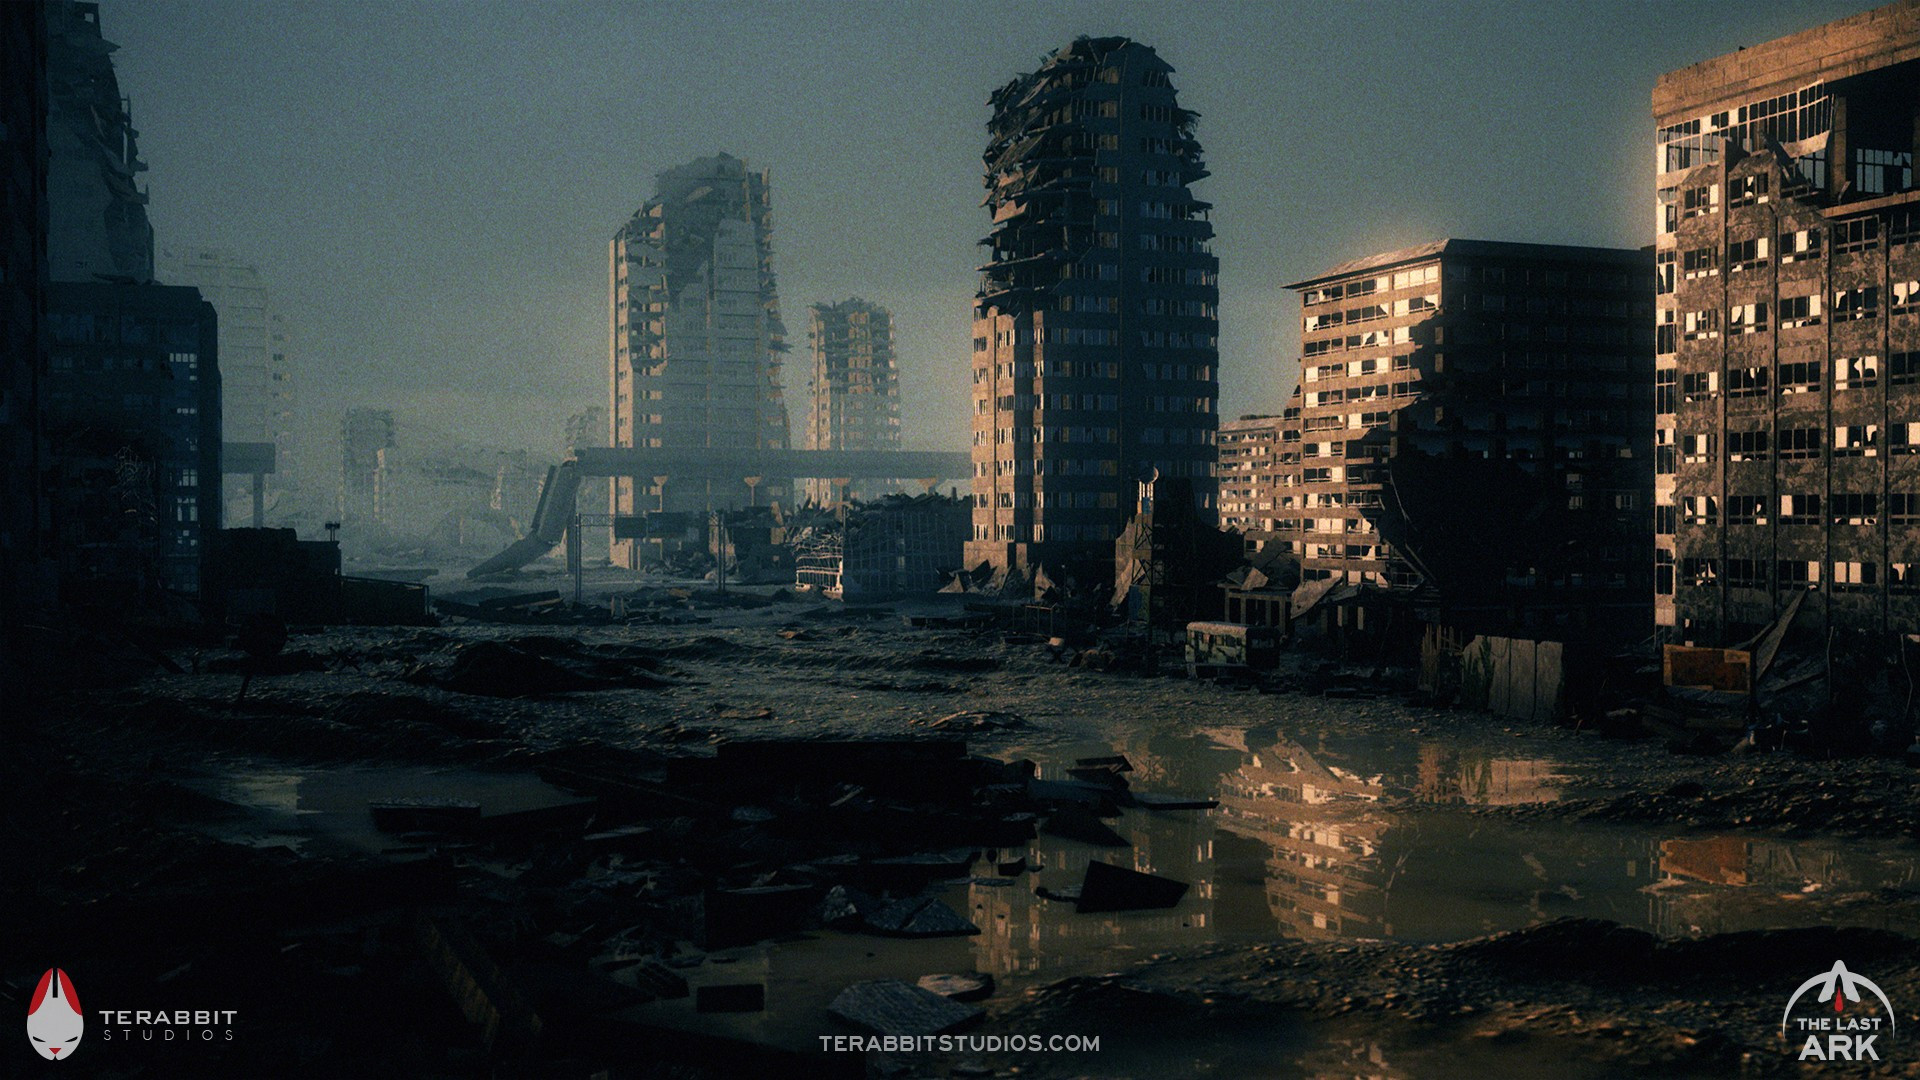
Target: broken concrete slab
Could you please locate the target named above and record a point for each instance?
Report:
(845, 906)
(1113, 888)
(1079, 823)
(919, 917)
(1172, 802)
(968, 987)
(897, 1007)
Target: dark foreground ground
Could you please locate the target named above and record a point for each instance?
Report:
(1384, 890)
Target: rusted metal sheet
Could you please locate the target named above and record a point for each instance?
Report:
(1730, 670)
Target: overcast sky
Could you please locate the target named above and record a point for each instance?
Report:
(430, 187)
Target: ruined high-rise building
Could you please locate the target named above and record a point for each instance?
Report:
(854, 389)
(99, 228)
(697, 340)
(1787, 324)
(1094, 331)
(1473, 437)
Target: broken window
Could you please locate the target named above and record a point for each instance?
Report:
(1699, 510)
(1856, 372)
(1746, 445)
(1799, 509)
(1800, 378)
(1798, 311)
(1860, 234)
(1701, 325)
(1700, 262)
(1747, 190)
(1861, 302)
(1848, 508)
(1696, 201)
(1746, 382)
(1746, 255)
(1746, 510)
(1747, 573)
(1906, 295)
(1856, 440)
(1794, 573)
(1798, 443)
(1799, 245)
(1747, 318)
(1853, 576)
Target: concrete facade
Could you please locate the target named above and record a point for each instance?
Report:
(853, 390)
(1787, 324)
(1473, 430)
(696, 337)
(1095, 325)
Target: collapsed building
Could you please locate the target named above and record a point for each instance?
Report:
(1472, 446)
(853, 392)
(894, 547)
(1095, 325)
(1788, 334)
(697, 340)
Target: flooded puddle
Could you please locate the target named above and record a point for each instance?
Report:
(1360, 839)
(298, 806)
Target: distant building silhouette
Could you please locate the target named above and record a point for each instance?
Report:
(854, 388)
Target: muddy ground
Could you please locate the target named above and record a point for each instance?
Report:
(1497, 900)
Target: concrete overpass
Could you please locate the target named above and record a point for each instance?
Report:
(736, 463)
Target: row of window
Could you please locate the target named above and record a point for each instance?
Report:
(1841, 576)
(1842, 508)
(1793, 377)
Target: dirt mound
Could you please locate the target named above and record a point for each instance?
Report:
(537, 666)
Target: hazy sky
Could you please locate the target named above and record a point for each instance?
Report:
(430, 187)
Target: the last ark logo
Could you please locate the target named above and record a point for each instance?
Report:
(1839, 1021)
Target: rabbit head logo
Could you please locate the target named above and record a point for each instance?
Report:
(54, 1020)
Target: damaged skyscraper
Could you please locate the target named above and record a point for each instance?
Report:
(1094, 330)
(853, 391)
(1788, 328)
(697, 340)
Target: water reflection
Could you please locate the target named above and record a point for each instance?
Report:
(1379, 839)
